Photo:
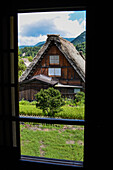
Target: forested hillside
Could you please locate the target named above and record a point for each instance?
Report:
(28, 51)
(80, 39)
(82, 47)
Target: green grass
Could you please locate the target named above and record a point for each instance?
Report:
(52, 141)
(66, 112)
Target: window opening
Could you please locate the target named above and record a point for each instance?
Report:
(51, 100)
(54, 71)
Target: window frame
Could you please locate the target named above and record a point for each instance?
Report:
(18, 118)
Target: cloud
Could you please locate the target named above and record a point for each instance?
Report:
(34, 27)
(24, 40)
(42, 27)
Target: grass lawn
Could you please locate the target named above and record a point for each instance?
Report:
(52, 141)
(66, 112)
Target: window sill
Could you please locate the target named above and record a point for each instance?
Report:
(56, 162)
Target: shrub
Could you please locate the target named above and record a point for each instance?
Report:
(24, 102)
(80, 98)
(33, 102)
(70, 102)
(42, 98)
(49, 100)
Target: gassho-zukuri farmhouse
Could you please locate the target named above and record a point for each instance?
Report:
(57, 64)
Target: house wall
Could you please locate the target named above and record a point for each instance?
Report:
(27, 91)
(68, 74)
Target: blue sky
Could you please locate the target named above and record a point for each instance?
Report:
(34, 27)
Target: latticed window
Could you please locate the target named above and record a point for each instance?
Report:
(54, 59)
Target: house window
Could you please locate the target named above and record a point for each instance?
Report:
(54, 59)
(54, 71)
(76, 90)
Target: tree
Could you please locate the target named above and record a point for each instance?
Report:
(30, 58)
(21, 66)
(42, 98)
(49, 100)
(55, 100)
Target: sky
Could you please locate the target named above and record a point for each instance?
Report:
(34, 27)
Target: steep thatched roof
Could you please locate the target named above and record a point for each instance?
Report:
(67, 48)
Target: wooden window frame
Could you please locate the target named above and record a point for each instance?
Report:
(14, 117)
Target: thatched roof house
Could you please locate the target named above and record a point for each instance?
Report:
(67, 48)
(56, 45)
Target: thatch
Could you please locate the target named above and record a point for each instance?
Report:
(67, 48)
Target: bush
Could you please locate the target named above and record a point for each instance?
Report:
(80, 98)
(33, 102)
(24, 102)
(69, 102)
(49, 100)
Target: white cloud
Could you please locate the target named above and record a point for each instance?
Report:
(70, 28)
(33, 27)
(23, 40)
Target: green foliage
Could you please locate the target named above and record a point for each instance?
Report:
(29, 51)
(42, 98)
(25, 102)
(33, 103)
(49, 100)
(82, 47)
(30, 58)
(66, 112)
(81, 38)
(80, 98)
(21, 66)
(69, 102)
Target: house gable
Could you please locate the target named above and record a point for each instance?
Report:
(68, 74)
(55, 44)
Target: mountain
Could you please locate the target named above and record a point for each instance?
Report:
(81, 38)
(22, 46)
(69, 39)
(39, 44)
(78, 40)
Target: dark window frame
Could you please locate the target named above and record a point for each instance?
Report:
(17, 119)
